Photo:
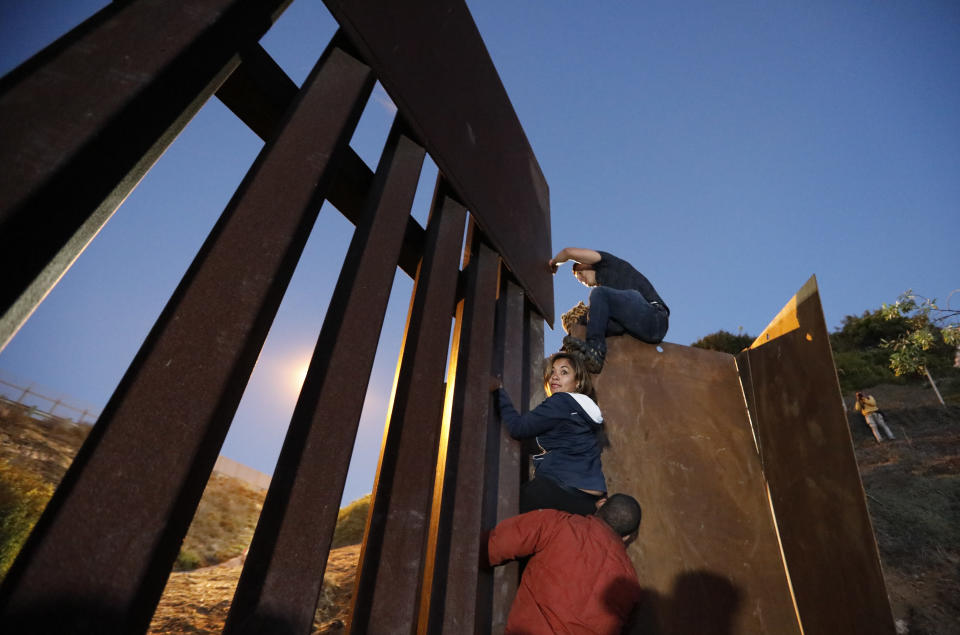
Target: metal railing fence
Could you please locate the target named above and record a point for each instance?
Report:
(45, 406)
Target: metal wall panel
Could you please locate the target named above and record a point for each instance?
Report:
(681, 444)
(808, 460)
(432, 61)
(100, 554)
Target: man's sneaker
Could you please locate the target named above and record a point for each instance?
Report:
(593, 357)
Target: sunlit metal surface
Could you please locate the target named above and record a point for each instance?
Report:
(418, 47)
(815, 486)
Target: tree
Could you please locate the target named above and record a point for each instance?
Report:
(927, 325)
(725, 342)
(867, 332)
(930, 330)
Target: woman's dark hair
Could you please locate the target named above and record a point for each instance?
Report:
(622, 513)
(584, 379)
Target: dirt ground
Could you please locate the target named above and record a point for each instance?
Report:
(198, 601)
(913, 492)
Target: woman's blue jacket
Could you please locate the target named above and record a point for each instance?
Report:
(566, 426)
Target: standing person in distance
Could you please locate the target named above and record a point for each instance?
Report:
(622, 300)
(867, 406)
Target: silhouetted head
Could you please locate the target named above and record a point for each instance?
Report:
(622, 513)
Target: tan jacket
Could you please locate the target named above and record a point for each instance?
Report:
(867, 405)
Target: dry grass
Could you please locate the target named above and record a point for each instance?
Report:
(223, 525)
(198, 601)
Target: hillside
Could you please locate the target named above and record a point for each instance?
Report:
(913, 494)
(35, 454)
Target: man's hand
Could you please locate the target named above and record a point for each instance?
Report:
(495, 383)
(561, 257)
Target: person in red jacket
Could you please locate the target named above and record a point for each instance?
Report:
(579, 578)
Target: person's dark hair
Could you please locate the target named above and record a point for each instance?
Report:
(584, 379)
(622, 513)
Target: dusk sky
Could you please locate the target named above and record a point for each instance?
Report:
(728, 150)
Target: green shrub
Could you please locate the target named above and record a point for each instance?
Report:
(866, 331)
(863, 359)
(187, 561)
(858, 354)
(725, 342)
(351, 522)
(857, 370)
(22, 499)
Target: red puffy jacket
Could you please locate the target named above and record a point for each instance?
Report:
(579, 580)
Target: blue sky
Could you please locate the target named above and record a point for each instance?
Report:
(728, 150)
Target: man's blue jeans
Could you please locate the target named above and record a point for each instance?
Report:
(616, 311)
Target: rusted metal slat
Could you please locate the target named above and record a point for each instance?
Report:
(391, 563)
(503, 483)
(809, 463)
(84, 120)
(281, 579)
(259, 92)
(432, 61)
(456, 580)
(100, 554)
(533, 391)
(533, 355)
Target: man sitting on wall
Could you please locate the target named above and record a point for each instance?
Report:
(579, 578)
(622, 300)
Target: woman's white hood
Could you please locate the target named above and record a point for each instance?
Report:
(589, 406)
